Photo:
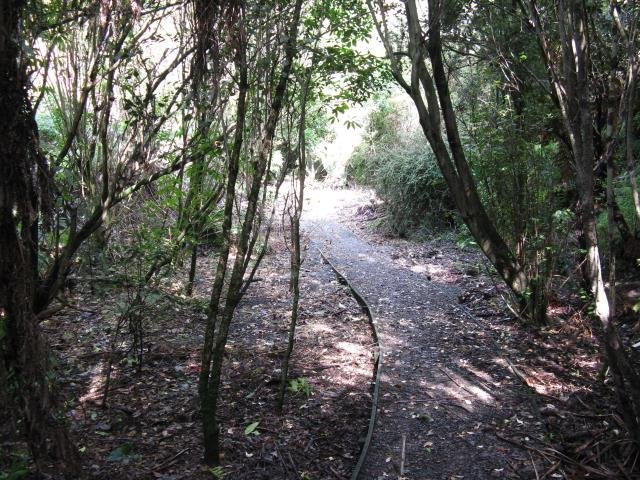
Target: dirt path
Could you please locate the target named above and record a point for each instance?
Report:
(445, 386)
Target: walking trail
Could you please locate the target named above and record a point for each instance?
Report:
(446, 387)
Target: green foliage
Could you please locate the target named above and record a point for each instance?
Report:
(464, 239)
(252, 429)
(218, 473)
(50, 129)
(300, 385)
(348, 20)
(351, 74)
(517, 169)
(17, 470)
(396, 161)
(414, 192)
(624, 199)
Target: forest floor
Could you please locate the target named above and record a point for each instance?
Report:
(150, 427)
(467, 390)
(473, 393)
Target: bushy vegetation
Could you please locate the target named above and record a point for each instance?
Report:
(395, 160)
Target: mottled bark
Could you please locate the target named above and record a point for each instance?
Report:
(26, 372)
(218, 322)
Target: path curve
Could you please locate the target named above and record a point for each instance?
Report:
(433, 393)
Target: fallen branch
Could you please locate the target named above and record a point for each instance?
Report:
(402, 456)
(168, 462)
(378, 355)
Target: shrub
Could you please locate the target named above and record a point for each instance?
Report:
(396, 161)
(414, 192)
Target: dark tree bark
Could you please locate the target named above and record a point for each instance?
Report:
(218, 322)
(26, 371)
(208, 387)
(429, 90)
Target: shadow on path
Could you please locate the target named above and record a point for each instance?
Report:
(444, 385)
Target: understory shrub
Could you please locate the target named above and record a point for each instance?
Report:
(414, 191)
(396, 161)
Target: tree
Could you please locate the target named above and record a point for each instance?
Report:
(430, 93)
(567, 54)
(295, 214)
(219, 319)
(41, 200)
(25, 183)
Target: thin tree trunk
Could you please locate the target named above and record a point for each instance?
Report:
(208, 382)
(610, 241)
(295, 243)
(217, 329)
(263, 250)
(192, 269)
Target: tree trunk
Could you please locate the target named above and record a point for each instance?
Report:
(432, 100)
(295, 244)
(209, 379)
(192, 269)
(217, 329)
(26, 372)
(569, 76)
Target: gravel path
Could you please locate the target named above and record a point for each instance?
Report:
(444, 387)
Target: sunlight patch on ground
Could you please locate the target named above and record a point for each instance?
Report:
(326, 203)
(461, 384)
(500, 361)
(478, 373)
(457, 394)
(96, 386)
(464, 392)
(350, 347)
(320, 328)
(542, 381)
(586, 363)
(467, 394)
(480, 393)
(420, 268)
(354, 375)
(438, 270)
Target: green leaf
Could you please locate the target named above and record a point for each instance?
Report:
(300, 385)
(218, 472)
(251, 429)
(120, 453)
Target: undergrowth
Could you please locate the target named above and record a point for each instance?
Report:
(396, 161)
